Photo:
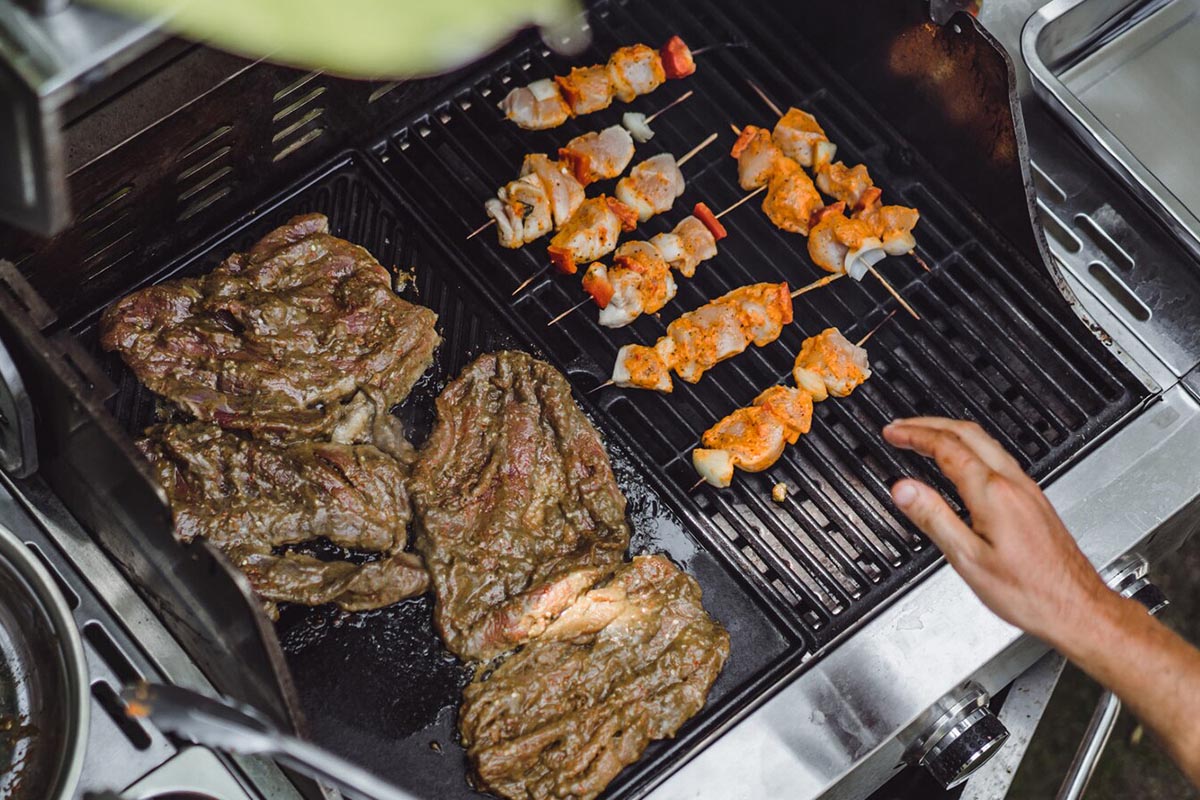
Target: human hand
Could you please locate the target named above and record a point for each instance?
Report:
(1020, 559)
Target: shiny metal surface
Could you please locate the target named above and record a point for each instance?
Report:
(45, 60)
(18, 444)
(1100, 727)
(1123, 75)
(235, 728)
(1021, 714)
(49, 690)
(107, 600)
(837, 730)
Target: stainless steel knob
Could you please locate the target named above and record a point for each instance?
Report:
(960, 736)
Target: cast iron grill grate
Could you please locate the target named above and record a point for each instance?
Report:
(997, 342)
(378, 686)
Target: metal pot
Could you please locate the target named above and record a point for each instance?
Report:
(43, 681)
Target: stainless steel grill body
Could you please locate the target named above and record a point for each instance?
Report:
(835, 603)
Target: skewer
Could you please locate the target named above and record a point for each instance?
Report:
(892, 291)
(604, 385)
(765, 99)
(817, 284)
(695, 485)
(566, 313)
(718, 46)
(670, 105)
(584, 302)
(872, 332)
(649, 119)
(759, 190)
(779, 113)
(687, 157)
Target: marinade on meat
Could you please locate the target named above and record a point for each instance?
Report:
(626, 664)
(251, 497)
(517, 510)
(274, 340)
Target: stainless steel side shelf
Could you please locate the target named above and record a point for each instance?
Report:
(1124, 76)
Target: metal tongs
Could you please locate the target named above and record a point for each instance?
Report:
(234, 728)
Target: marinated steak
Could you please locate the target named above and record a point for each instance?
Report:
(518, 513)
(250, 498)
(273, 340)
(628, 663)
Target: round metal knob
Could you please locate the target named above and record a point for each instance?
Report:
(965, 748)
(958, 735)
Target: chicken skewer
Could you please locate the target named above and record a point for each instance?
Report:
(650, 188)
(702, 338)
(754, 437)
(590, 157)
(643, 284)
(893, 225)
(793, 203)
(631, 71)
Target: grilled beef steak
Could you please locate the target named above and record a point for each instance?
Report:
(250, 498)
(518, 513)
(626, 664)
(274, 339)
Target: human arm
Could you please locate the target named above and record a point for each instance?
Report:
(1025, 566)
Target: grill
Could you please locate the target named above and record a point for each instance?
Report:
(997, 343)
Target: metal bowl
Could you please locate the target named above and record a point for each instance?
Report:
(43, 681)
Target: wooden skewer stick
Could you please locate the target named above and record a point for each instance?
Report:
(712, 137)
(564, 314)
(604, 385)
(649, 119)
(695, 486)
(670, 105)
(892, 291)
(919, 260)
(765, 99)
(817, 284)
(530, 280)
(872, 332)
(757, 191)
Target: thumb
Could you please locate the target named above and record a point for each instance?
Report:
(930, 512)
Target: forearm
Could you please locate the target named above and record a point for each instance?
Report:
(1154, 672)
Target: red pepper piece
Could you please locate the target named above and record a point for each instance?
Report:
(703, 213)
(562, 259)
(743, 140)
(596, 284)
(785, 303)
(628, 217)
(677, 58)
(580, 164)
(824, 211)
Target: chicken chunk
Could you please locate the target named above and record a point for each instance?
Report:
(757, 156)
(846, 184)
(652, 186)
(587, 89)
(797, 135)
(564, 192)
(599, 155)
(635, 70)
(830, 364)
(536, 107)
(791, 197)
(838, 243)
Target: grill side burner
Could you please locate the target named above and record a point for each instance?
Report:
(798, 582)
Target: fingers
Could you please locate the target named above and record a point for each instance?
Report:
(929, 512)
(960, 463)
(975, 437)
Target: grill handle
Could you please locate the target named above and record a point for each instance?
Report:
(1130, 580)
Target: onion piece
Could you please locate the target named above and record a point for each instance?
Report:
(544, 89)
(637, 126)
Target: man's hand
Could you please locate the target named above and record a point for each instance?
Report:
(1025, 566)
(1019, 558)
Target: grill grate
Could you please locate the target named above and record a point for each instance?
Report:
(378, 686)
(996, 343)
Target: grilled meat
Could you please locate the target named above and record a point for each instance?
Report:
(628, 663)
(518, 513)
(251, 498)
(271, 341)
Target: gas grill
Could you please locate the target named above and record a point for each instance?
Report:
(853, 652)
